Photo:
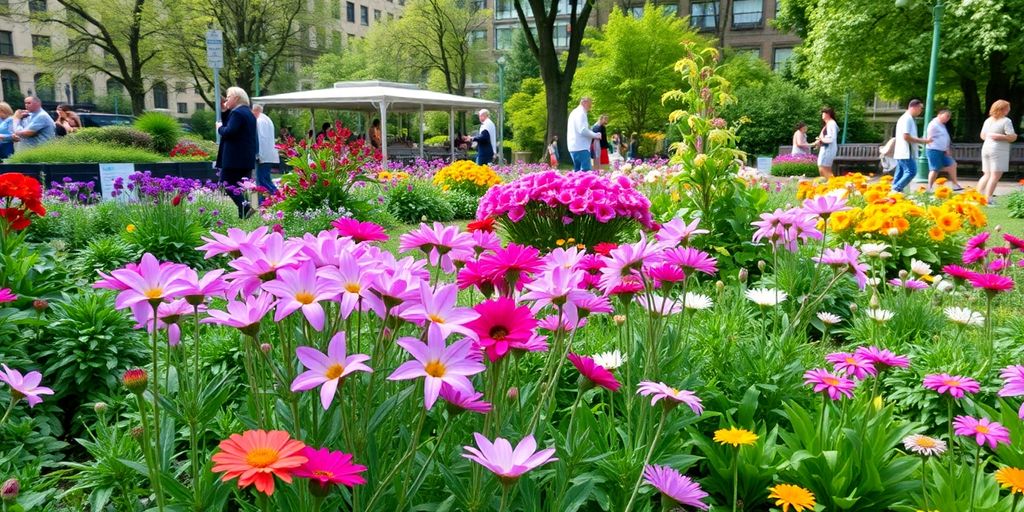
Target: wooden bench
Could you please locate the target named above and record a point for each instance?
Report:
(862, 156)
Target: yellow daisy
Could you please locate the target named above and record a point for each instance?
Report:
(735, 436)
(786, 496)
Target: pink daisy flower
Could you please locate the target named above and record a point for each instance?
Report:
(909, 284)
(677, 231)
(1013, 384)
(558, 287)
(329, 468)
(438, 363)
(439, 312)
(24, 386)
(359, 231)
(672, 396)
(958, 273)
(848, 258)
(506, 463)
(977, 241)
(982, 430)
(853, 365)
(464, 401)
(691, 260)
(675, 486)
(500, 325)
(437, 242)
(327, 370)
(510, 264)
(197, 289)
(301, 289)
(836, 386)
(954, 385)
(882, 357)
(594, 372)
(233, 242)
(150, 282)
(243, 315)
(623, 260)
(7, 296)
(991, 283)
(825, 205)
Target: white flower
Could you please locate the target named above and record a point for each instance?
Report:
(944, 286)
(964, 316)
(924, 445)
(610, 360)
(873, 250)
(829, 318)
(919, 267)
(652, 176)
(873, 281)
(657, 305)
(766, 296)
(880, 315)
(697, 301)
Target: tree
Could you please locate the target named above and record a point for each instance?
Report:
(358, 62)
(981, 59)
(527, 115)
(118, 38)
(279, 31)
(629, 66)
(522, 64)
(557, 79)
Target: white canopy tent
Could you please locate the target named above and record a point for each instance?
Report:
(383, 97)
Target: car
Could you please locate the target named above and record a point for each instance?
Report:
(90, 119)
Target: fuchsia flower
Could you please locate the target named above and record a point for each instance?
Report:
(151, 282)
(328, 370)
(954, 385)
(197, 289)
(691, 260)
(674, 485)
(665, 273)
(506, 463)
(7, 296)
(501, 325)
(882, 357)
(557, 287)
(659, 306)
(852, 364)
(677, 231)
(977, 241)
(261, 263)
(472, 274)
(352, 278)
(438, 242)
(825, 205)
(983, 430)
(672, 396)
(510, 264)
(974, 255)
(551, 323)
(243, 315)
(465, 401)
(594, 372)
(438, 364)
(909, 284)
(301, 289)
(786, 227)
(1013, 384)
(623, 260)
(359, 231)
(836, 386)
(441, 313)
(1017, 243)
(168, 315)
(849, 258)
(561, 257)
(233, 242)
(329, 468)
(26, 386)
(958, 273)
(991, 283)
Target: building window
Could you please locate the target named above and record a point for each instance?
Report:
(752, 50)
(364, 15)
(200, 106)
(336, 9)
(6, 43)
(781, 57)
(376, 15)
(561, 35)
(336, 41)
(502, 38)
(479, 4)
(114, 88)
(477, 36)
(82, 90)
(11, 85)
(506, 9)
(45, 86)
(637, 12)
(747, 13)
(182, 108)
(704, 15)
(159, 95)
(350, 12)
(37, 5)
(39, 42)
(401, 2)
(671, 9)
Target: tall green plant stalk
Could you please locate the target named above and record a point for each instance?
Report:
(157, 465)
(647, 459)
(735, 477)
(977, 471)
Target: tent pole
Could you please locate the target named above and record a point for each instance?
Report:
(312, 124)
(421, 132)
(451, 132)
(384, 131)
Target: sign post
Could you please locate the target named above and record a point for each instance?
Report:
(215, 60)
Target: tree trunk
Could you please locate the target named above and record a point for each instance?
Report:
(1003, 86)
(725, 23)
(558, 118)
(973, 112)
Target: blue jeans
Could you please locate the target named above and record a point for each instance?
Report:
(580, 160)
(263, 178)
(905, 171)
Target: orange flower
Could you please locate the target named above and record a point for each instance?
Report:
(943, 192)
(936, 233)
(256, 456)
(949, 222)
(839, 221)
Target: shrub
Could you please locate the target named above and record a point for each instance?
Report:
(463, 204)
(65, 151)
(202, 122)
(466, 176)
(437, 140)
(1015, 203)
(65, 221)
(169, 232)
(104, 254)
(125, 136)
(164, 129)
(795, 165)
(419, 201)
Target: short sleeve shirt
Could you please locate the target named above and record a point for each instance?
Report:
(939, 135)
(906, 125)
(42, 125)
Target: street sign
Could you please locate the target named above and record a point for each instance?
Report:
(215, 49)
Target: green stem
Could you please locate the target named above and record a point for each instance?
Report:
(504, 498)
(735, 477)
(412, 449)
(952, 440)
(647, 459)
(977, 470)
(433, 451)
(156, 414)
(387, 479)
(924, 480)
(147, 447)
(10, 408)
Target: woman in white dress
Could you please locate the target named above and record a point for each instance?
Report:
(800, 144)
(998, 134)
(827, 142)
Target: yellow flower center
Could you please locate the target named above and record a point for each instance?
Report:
(850, 360)
(261, 457)
(334, 371)
(926, 442)
(304, 297)
(353, 288)
(154, 293)
(437, 319)
(435, 368)
(982, 429)
(952, 383)
(322, 473)
(831, 381)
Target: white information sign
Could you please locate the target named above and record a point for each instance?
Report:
(214, 49)
(109, 173)
(764, 165)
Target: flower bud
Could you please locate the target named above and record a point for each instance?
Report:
(720, 286)
(761, 265)
(874, 303)
(998, 228)
(136, 433)
(99, 407)
(743, 275)
(853, 307)
(9, 490)
(513, 393)
(903, 275)
(135, 380)
(40, 305)
(265, 347)
(619, 319)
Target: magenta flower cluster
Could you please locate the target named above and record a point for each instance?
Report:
(582, 193)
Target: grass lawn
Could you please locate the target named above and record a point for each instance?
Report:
(1000, 216)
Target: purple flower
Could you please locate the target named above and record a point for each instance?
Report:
(847, 259)
(787, 227)
(328, 370)
(506, 463)
(26, 386)
(675, 486)
(438, 364)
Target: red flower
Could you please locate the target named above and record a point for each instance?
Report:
(176, 200)
(594, 372)
(604, 248)
(486, 224)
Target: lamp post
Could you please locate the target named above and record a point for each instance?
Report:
(929, 104)
(257, 60)
(501, 109)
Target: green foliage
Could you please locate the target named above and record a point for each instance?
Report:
(464, 204)
(170, 233)
(89, 345)
(1015, 203)
(104, 254)
(31, 271)
(746, 68)
(437, 140)
(324, 175)
(202, 122)
(527, 116)
(522, 64)
(124, 136)
(420, 201)
(164, 129)
(629, 66)
(62, 151)
(809, 170)
(66, 221)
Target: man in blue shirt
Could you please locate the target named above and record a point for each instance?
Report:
(34, 125)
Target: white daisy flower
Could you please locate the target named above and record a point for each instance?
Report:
(610, 360)
(880, 315)
(873, 250)
(657, 305)
(924, 445)
(829, 318)
(944, 286)
(964, 316)
(698, 301)
(766, 296)
(873, 281)
(919, 267)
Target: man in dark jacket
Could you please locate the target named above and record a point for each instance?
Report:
(239, 146)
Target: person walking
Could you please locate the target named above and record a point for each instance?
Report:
(601, 144)
(553, 152)
(615, 148)
(800, 144)
(239, 145)
(6, 130)
(633, 150)
(940, 151)
(579, 136)
(269, 159)
(827, 142)
(485, 140)
(906, 149)
(34, 125)
(998, 134)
